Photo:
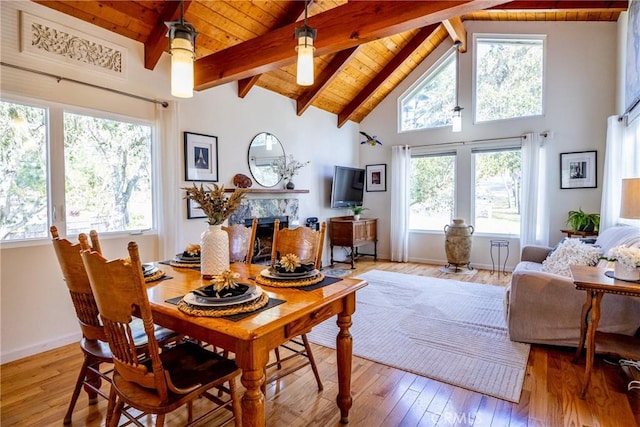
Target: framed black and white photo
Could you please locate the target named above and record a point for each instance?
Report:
(578, 169)
(377, 177)
(194, 211)
(200, 157)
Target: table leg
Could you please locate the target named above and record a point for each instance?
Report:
(252, 361)
(594, 318)
(584, 323)
(344, 349)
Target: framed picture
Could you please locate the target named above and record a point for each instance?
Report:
(200, 157)
(377, 177)
(194, 211)
(578, 169)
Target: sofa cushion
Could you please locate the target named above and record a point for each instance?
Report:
(618, 235)
(571, 251)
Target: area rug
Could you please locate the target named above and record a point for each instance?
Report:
(447, 330)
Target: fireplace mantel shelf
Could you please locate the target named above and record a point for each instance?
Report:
(268, 191)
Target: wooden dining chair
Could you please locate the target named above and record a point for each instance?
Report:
(94, 341)
(241, 241)
(153, 382)
(307, 244)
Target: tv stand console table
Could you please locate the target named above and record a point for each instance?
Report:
(346, 232)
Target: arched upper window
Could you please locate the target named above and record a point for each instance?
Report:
(429, 103)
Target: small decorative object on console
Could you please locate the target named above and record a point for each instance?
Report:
(242, 181)
(627, 262)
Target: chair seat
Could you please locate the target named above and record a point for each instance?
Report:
(98, 349)
(188, 365)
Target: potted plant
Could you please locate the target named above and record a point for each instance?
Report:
(357, 211)
(582, 221)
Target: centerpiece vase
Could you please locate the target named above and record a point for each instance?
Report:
(458, 242)
(214, 251)
(621, 272)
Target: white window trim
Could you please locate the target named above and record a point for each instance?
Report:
(55, 160)
(498, 36)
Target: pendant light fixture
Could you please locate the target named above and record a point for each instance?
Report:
(182, 47)
(456, 123)
(305, 36)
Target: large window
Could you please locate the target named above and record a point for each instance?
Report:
(432, 191)
(509, 74)
(430, 102)
(100, 174)
(498, 177)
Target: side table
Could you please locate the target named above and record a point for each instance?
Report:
(596, 283)
(499, 244)
(571, 233)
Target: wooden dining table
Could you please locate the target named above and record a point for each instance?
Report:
(252, 337)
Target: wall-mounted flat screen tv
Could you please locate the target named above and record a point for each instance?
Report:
(347, 188)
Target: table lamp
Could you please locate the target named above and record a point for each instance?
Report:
(630, 206)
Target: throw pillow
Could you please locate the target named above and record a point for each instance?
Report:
(571, 251)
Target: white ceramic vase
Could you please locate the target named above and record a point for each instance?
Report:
(622, 273)
(214, 251)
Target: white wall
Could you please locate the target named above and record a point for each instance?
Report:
(580, 95)
(36, 312)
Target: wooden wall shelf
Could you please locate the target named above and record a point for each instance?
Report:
(268, 191)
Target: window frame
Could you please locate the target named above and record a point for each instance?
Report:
(418, 84)
(474, 73)
(489, 147)
(55, 166)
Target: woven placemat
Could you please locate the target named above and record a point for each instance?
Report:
(197, 310)
(179, 264)
(298, 283)
(159, 274)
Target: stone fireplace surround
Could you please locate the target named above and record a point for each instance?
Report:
(266, 210)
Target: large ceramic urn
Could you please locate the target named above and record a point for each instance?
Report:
(458, 242)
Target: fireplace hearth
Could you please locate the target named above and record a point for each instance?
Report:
(264, 237)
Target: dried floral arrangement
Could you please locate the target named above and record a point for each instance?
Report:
(226, 280)
(213, 202)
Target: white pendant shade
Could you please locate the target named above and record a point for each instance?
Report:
(182, 56)
(456, 123)
(304, 72)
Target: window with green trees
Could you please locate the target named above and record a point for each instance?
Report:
(430, 103)
(509, 77)
(498, 182)
(432, 191)
(99, 176)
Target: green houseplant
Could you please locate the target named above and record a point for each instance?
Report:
(357, 211)
(582, 221)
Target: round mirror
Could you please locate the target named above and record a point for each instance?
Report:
(264, 149)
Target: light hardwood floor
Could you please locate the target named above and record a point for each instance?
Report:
(35, 390)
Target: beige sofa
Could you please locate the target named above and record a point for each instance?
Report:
(545, 308)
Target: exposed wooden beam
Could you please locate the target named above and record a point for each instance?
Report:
(292, 15)
(385, 73)
(340, 28)
(555, 5)
(157, 42)
(457, 32)
(328, 74)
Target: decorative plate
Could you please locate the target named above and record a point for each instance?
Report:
(255, 292)
(272, 274)
(187, 259)
(149, 269)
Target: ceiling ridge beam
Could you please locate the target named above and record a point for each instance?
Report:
(366, 93)
(560, 5)
(157, 42)
(340, 28)
(293, 15)
(457, 32)
(326, 76)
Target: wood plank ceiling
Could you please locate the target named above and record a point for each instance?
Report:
(364, 49)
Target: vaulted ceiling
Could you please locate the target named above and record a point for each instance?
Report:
(364, 49)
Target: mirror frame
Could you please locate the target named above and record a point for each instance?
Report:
(253, 167)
